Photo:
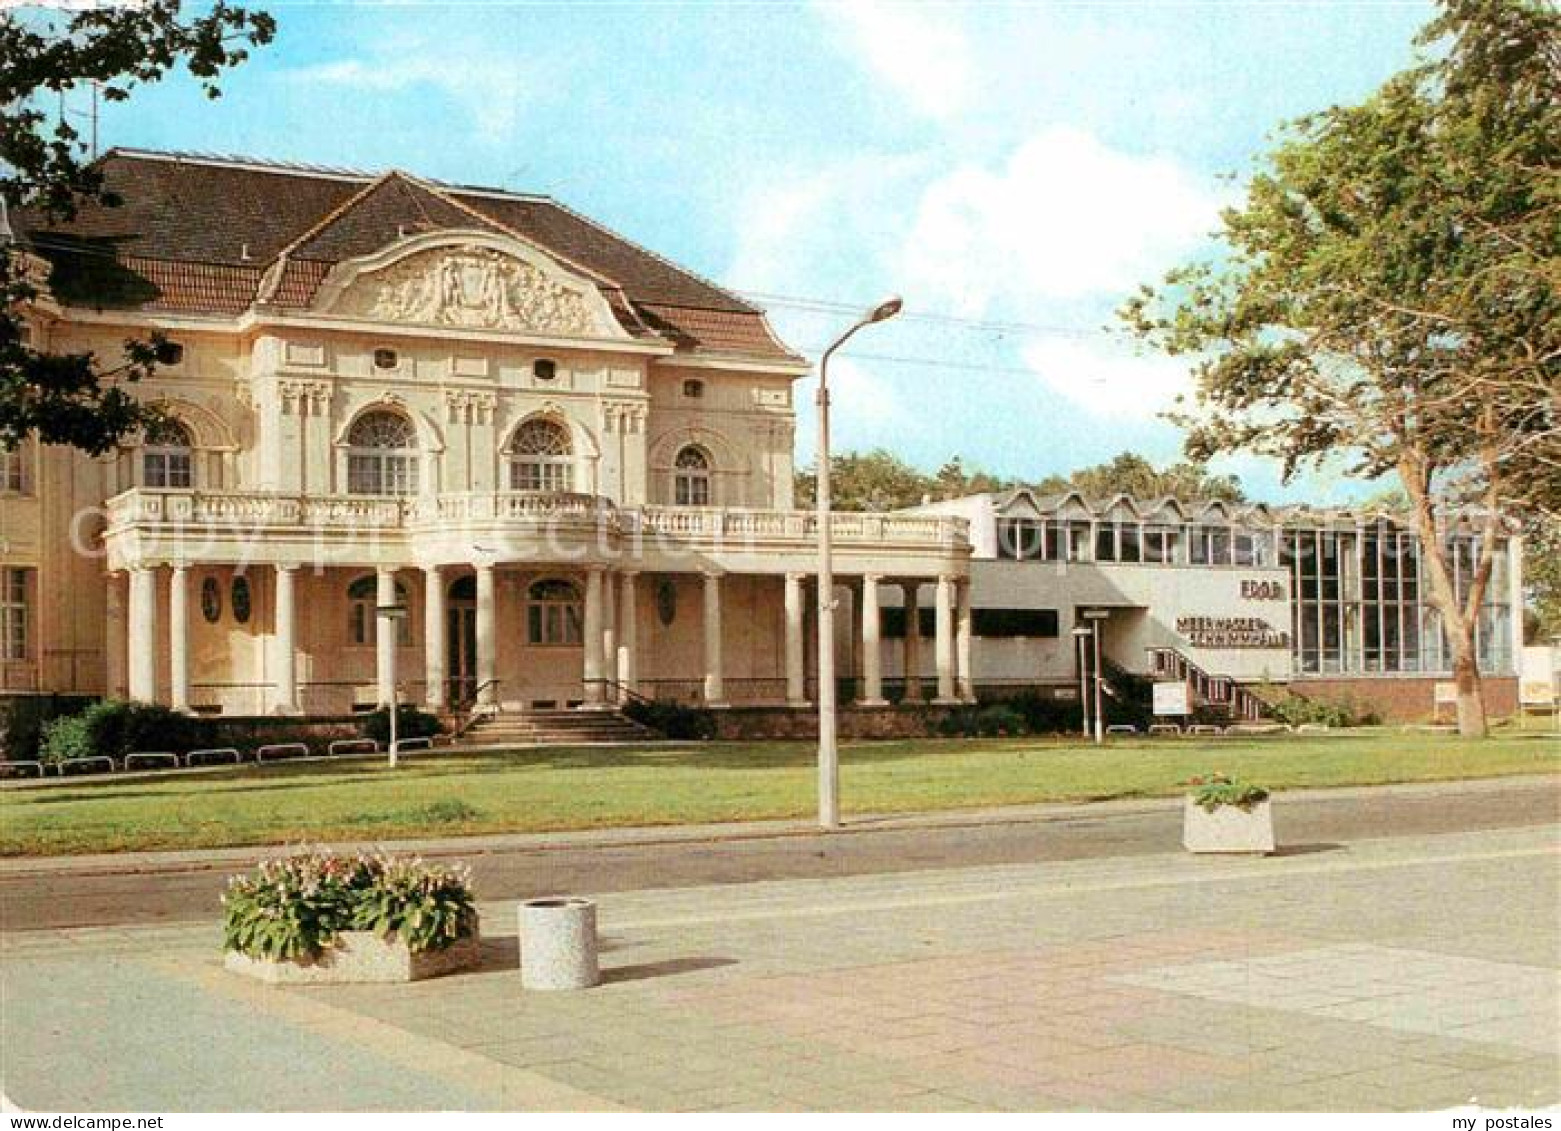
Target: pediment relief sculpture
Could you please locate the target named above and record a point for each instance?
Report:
(473, 287)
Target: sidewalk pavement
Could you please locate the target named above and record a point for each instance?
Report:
(200, 859)
(1397, 974)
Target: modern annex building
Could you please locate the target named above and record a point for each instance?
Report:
(567, 458)
(1330, 603)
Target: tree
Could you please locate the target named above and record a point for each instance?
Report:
(876, 481)
(1132, 474)
(45, 168)
(1389, 293)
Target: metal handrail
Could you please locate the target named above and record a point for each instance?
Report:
(470, 704)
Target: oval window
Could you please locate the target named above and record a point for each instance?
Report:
(543, 369)
(240, 599)
(211, 600)
(386, 359)
(666, 601)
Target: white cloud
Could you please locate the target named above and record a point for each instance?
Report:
(866, 411)
(918, 51)
(488, 86)
(1107, 380)
(1065, 217)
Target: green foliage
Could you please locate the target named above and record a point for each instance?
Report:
(1542, 577)
(45, 168)
(672, 720)
(23, 719)
(995, 720)
(293, 908)
(1210, 792)
(1297, 710)
(411, 722)
(116, 727)
(880, 481)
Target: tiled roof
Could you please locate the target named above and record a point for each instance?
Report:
(211, 235)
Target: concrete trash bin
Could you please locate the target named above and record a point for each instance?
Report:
(558, 944)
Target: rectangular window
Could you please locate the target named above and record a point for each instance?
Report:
(1106, 542)
(1013, 622)
(13, 613)
(167, 470)
(13, 472)
(692, 491)
(1128, 544)
(1021, 539)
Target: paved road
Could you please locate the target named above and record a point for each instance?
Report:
(1304, 823)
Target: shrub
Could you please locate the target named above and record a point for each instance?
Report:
(993, 720)
(410, 723)
(24, 718)
(1209, 793)
(1296, 710)
(116, 727)
(294, 907)
(673, 720)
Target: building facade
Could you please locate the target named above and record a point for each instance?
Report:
(567, 460)
(1330, 603)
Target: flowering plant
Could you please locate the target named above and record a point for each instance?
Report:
(1210, 792)
(294, 907)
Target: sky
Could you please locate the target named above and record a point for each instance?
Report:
(1013, 169)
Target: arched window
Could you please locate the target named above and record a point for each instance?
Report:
(165, 456)
(382, 455)
(363, 622)
(555, 613)
(541, 457)
(691, 477)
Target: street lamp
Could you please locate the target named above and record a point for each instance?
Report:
(1095, 616)
(1081, 650)
(389, 618)
(828, 751)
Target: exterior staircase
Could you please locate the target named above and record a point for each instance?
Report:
(1218, 692)
(554, 728)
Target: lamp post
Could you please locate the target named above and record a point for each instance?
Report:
(828, 751)
(1095, 616)
(389, 618)
(1081, 651)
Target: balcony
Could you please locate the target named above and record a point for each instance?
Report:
(152, 524)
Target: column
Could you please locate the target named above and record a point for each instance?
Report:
(143, 633)
(179, 638)
(964, 627)
(435, 645)
(593, 638)
(943, 642)
(286, 648)
(487, 637)
(715, 684)
(872, 655)
(628, 630)
(610, 637)
(114, 630)
(912, 592)
(796, 679)
(385, 633)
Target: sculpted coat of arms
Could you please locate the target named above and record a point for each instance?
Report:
(471, 286)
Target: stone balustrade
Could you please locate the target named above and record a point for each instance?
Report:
(261, 510)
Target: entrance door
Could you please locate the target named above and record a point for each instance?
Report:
(461, 639)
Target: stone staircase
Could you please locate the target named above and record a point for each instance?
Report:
(554, 727)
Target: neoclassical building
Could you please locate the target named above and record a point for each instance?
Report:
(568, 460)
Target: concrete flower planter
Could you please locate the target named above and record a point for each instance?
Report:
(1228, 828)
(358, 957)
(558, 944)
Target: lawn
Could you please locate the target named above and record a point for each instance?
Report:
(452, 795)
